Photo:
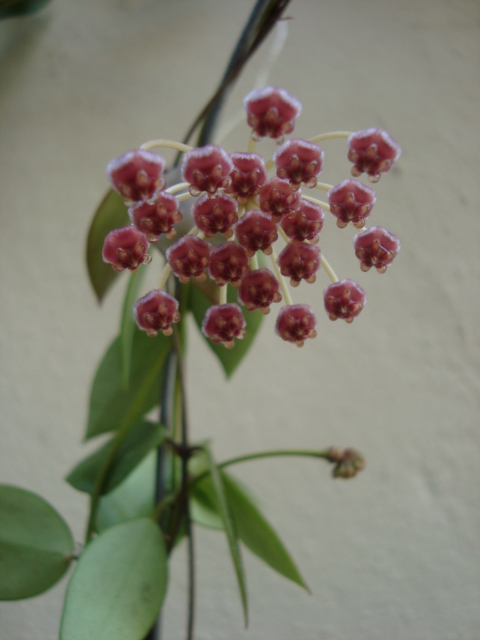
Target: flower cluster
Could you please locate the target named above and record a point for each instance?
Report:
(234, 197)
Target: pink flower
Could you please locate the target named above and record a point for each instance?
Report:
(351, 201)
(259, 288)
(228, 263)
(299, 262)
(189, 258)
(376, 247)
(158, 217)
(271, 112)
(299, 161)
(295, 323)
(305, 223)
(248, 175)
(256, 231)
(344, 299)
(278, 199)
(207, 169)
(137, 175)
(223, 323)
(126, 248)
(155, 312)
(215, 215)
(372, 151)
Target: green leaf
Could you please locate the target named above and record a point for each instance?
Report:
(132, 499)
(36, 545)
(203, 505)
(111, 214)
(140, 440)
(118, 586)
(127, 327)
(12, 8)
(253, 529)
(229, 527)
(111, 406)
(229, 358)
(257, 534)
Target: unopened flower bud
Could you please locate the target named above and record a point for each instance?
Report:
(348, 462)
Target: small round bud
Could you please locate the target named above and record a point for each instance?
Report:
(278, 199)
(348, 462)
(259, 288)
(207, 169)
(189, 258)
(158, 217)
(126, 248)
(344, 299)
(376, 247)
(155, 312)
(351, 201)
(299, 262)
(305, 223)
(299, 161)
(228, 263)
(215, 215)
(271, 112)
(372, 151)
(295, 323)
(223, 323)
(248, 175)
(137, 175)
(256, 231)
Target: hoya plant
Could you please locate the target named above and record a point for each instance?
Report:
(237, 233)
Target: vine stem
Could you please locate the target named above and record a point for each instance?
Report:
(249, 457)
(173, 401)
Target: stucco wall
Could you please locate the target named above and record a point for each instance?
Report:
(391, 554)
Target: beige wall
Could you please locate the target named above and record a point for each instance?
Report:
(392, 554)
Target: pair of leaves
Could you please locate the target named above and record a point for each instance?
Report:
(118, 586)
(36, 545)
(141, 438)
(220, 502)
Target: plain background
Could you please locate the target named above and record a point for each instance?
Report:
(395, 552)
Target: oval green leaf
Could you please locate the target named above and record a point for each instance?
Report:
(36, 545)
(113, 407)
(110, 214)
(229, 358)
(132, 499)
(118, 586)
(139, 441)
